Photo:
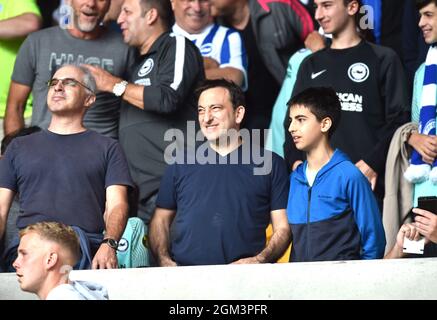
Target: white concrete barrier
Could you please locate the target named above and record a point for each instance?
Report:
(376, 279)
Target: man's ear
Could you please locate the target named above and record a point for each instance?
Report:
(90, 100)
(353, 7)
(51, 260)
(239, 114)
(325, 124)
(151, 16)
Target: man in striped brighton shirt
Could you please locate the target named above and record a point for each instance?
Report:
(222, 48)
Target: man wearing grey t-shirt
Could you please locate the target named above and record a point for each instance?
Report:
(84, 40)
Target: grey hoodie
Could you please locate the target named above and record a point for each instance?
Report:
(78, 290)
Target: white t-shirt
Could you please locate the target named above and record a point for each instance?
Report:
(64, 292)
(311, 175)
(78, 290)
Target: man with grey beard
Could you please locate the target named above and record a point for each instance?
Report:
(82, 40)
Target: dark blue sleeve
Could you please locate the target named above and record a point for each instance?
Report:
(117, 172)
(280, 183)
(167, 190)
(8, 175)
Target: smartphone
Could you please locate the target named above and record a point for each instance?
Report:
(428, 203)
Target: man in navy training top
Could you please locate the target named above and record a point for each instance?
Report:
(220, 208)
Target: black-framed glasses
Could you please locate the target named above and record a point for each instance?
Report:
(66, 82)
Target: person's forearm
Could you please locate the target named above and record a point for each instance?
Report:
(134, 95)
(6, 198)
(228, 73)
(159, 240)
(14, 115)
(2, 225)
(14, 119)
(395, 253)
(19, 26)
(116, 221)
(276, 246)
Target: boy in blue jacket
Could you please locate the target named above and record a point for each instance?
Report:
(331, 209)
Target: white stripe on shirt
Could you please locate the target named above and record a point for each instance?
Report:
(179, 62)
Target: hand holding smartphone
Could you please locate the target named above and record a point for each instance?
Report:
(429, 204)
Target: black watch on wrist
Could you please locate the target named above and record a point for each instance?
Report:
(111, 242)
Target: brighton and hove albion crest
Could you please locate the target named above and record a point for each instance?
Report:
(146, 67)
(358, 72)
(206, 49)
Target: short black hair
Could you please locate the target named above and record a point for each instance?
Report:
(346, 2)
(18, 133)
(163, 7)
(323, 102)
(422, 3)
(235, 92)
(365, 33)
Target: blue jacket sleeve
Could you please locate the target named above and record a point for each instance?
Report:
(367, 216)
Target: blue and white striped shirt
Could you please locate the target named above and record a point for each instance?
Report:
(222, 44)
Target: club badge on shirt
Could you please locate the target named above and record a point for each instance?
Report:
(358, 72)
(206, 49)
(146, 68)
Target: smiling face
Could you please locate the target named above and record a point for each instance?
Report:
(132, 23)
(30, 263)
(334, 16)
(89, 13)
(192, 15)
(216, 113)
(428, 23)
(73, 98)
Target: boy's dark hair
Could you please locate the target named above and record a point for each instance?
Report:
(323, 102)
(18, 133)
(422, 3)
(235, 92)
(346, 2)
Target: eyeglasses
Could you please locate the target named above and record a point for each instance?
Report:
(67, 82)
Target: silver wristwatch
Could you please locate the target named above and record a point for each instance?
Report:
(119, 88)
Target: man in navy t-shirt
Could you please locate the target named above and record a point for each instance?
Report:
(69, 174)
(221, 203)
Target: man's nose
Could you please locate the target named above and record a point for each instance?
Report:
(318, 14)
(291, 127)
(91, 3)
(196, 5)
(421, 22)
(59, 86)
(15, 264)
(207, 116)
